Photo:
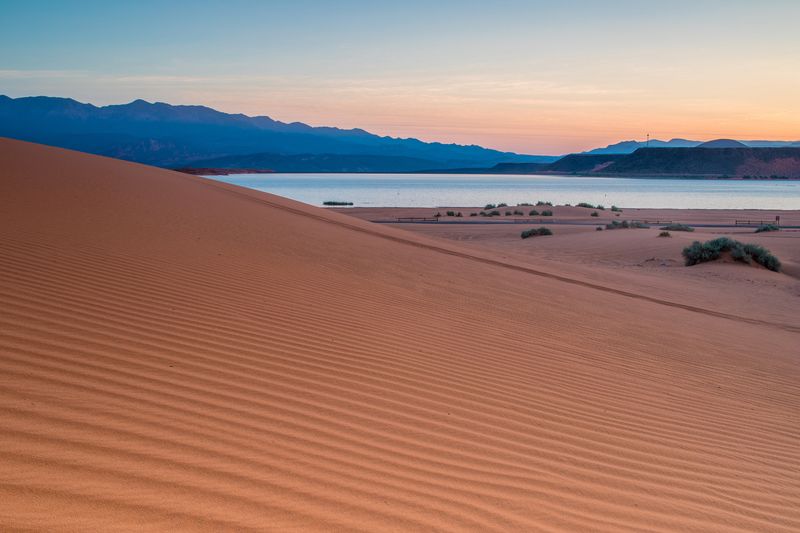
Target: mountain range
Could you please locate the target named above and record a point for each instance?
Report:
(716, 159)
(628, 147)
(176, 135)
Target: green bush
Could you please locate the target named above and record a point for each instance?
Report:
(699, 252)
(502, 204)
(547, 213)
(518, 212)
(524, 204)
(458, 214)
(767, 227)
(599, 228)
(540, 203)
(584, 204)
(451, 213)
(473, 214)
(615, 224)
(677, 227)
(535, 232)
(664, 234)
(494, 213)
(533, 213)
(331, 202)
(489, 206)
(594, 214)
(616, 209)
(508, 213)
(600, 207)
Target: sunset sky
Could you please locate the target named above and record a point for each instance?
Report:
(530, 76)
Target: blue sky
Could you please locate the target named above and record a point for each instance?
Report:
(534, 77)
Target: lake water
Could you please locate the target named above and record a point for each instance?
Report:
(442, 190)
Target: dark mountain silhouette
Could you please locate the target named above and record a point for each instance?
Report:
(321, 163)
(628, 147)
(708, 161)
(722, 143)
(583, 163)
(166, 135)
(713, 162)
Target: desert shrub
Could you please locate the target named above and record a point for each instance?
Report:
(508, 213)
(489, 206)
(547, 213)
(701, 252)
(524, 204)
(540, 203)
(677, 227)
(664, 234)
(599, 228)
(533, 213)
(601, 207)
(615, 224)
(584, 204)
(535, 232)
(451, 213)
(437, 215)
(616, 209)
(473, 214)
(332, 202)
(458, 214)
(502, 204)
(518, 212)
(594, 214)
(494, 213)
(767, 227)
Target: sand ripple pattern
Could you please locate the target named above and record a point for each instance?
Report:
(181, 355)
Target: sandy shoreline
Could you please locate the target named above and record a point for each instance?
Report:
(177, 353)
(722, 217)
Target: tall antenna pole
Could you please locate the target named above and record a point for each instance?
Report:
(648, 140)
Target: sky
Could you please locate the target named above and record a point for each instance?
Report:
(526, 76)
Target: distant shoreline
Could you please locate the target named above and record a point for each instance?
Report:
(237, 171)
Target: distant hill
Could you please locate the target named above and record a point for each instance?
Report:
(733, 162)
(628, 147)
(584, 163)
(166, 135)
(722, 143)
(717, 159)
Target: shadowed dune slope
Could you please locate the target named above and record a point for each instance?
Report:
(179, 354)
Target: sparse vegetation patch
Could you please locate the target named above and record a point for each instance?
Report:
(677, 227)
(767, 227)
(701, 252)
(535, 232)
(664, 234)
(332, 202)
(547, 213)
(616, 224)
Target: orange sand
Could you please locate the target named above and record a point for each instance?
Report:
(180, 354)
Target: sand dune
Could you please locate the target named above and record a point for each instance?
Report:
(180, 354)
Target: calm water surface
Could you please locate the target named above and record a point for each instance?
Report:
(441, 190)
